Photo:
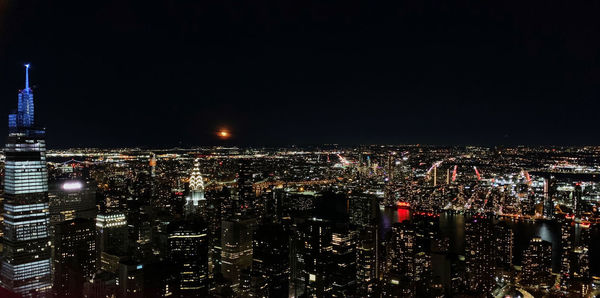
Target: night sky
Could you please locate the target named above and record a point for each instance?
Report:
(139, 73)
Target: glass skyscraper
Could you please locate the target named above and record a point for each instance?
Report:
(26, 267)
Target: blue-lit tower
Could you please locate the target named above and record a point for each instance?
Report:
(24, 117)
(25, 266)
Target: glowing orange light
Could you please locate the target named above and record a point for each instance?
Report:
(223, 134)
(403, 204)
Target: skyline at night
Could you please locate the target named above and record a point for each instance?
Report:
(279, 74)
(300, 221)
(260, 149)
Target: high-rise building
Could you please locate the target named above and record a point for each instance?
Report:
(363, 209)
(74, 256)
(367, 262)
(312, 261)
(26, 266)
(400, 262)
(236, 248)
(131, 279)
(480, 253)
(550, 186)
(246, 197)
(567, 243)
(537, 262)
(577, 203)
(505, 243)
(270, 261)
(214, 214)
(112, 234)
(574, 260)
(188, 253)
(343, 254)
(24, 117)
(196, 202)
(70, 199)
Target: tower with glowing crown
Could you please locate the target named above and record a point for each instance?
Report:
(25, 266)
(196, 202)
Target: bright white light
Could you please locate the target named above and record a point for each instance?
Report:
(72, 185)
(27, 65)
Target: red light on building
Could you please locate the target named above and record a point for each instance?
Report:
(403, 204)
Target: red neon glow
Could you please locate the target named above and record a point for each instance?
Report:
(403, 214)
(477, 173)
(454, 173)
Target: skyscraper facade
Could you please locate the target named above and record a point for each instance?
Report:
(26, 267)
(537, 263)
(236, 243)
(480, 252)
(188, 252)
(75, 256)
(196, 203)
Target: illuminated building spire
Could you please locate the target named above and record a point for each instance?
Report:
(196, 198)
(24, 117)
(27, 76)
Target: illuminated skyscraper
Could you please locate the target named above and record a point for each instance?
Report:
(537, 262)
(112, 238)
(480, 250)
(24, 117)
(567, 245)
(196, 202)
(343, 253)
(367, 262)
(400, 262)
(26, 256)
(504, 243)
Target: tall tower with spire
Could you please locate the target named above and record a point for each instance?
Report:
(25, 264)
(25, 110)
(196, 202)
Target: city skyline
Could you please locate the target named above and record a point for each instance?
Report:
(341, 221)
(275, 74)
(316, 149)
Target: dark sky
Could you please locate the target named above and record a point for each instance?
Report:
(125, 73)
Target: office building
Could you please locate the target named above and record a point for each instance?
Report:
(26, 266)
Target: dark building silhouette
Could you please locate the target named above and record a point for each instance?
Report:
(74, 256)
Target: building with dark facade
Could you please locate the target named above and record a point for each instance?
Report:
(537, 263)
(236, 248)
(74, 256)
(270, 261)
(188, 254)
